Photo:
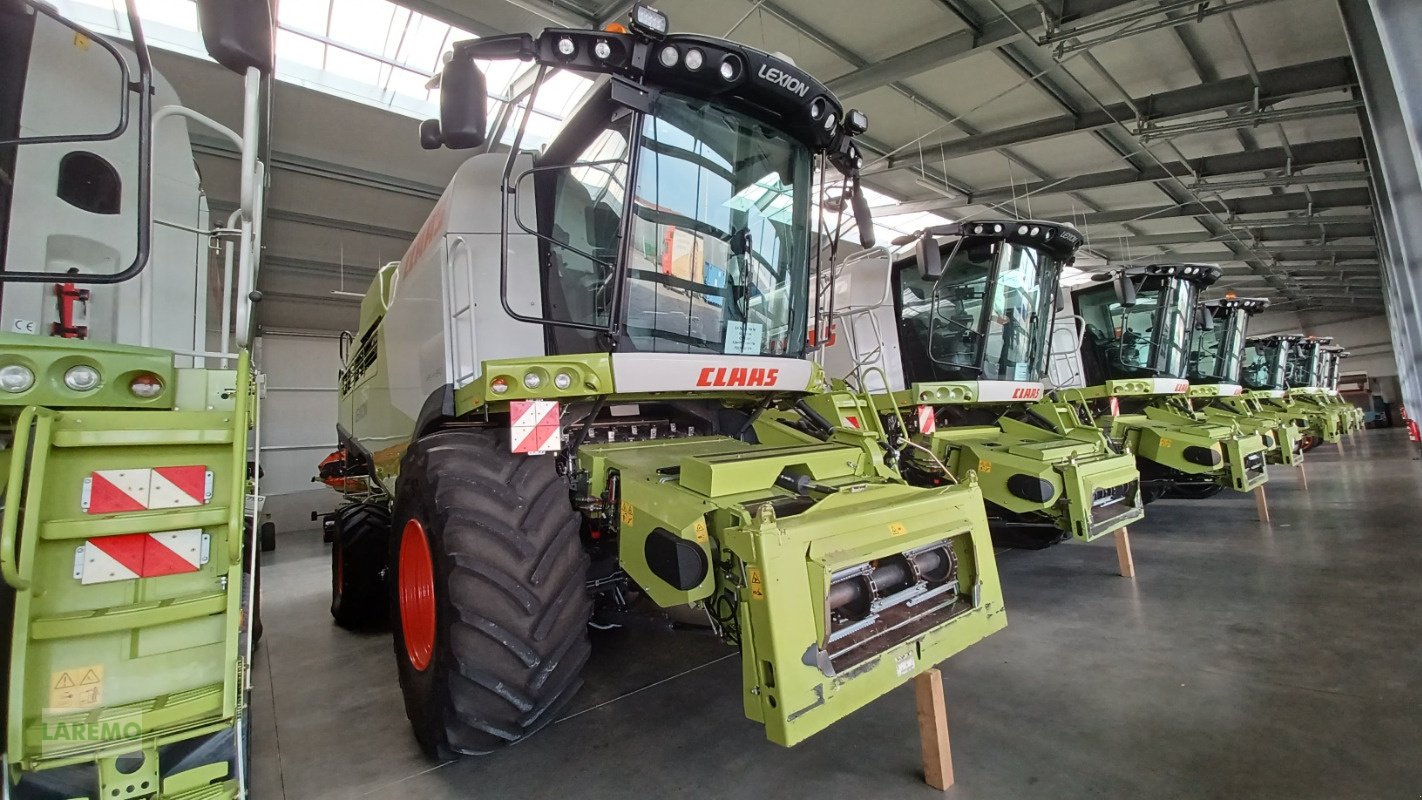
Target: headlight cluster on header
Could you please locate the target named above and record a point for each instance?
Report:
(1204, 272)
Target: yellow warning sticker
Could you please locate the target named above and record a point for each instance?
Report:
(897, 529)
(984, 465)
(81, 41)
(757, 586)
(627, 513)
(1164, 442)
(81, 687)
(700, 531)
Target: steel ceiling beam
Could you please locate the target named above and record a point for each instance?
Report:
(1312, 154)
(1276, 84)
(1280, 234)
(1262, 204)
(962, 44)
(1291, 254)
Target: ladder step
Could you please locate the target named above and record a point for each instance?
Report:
(134, 522)
(139, 438)
(129, 617)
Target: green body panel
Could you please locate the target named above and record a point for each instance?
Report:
(1329, 417)
(1075, 459)
(718, 493)
(166, 651)
(49, 357)
(1165, 428)
(1247, 412)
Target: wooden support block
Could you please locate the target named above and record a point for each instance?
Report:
(1303, 476)
(933, 730)
(1262, 503)
(1123, 553)
(1340, 446)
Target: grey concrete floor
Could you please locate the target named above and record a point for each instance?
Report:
(1245, 661)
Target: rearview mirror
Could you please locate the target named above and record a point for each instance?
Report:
(238, 34)
(1125, 290)
(463, 114)
(930, 257)
(862, 218)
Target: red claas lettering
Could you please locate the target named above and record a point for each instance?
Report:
(737, 376)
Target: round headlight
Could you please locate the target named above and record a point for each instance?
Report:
(1036, 229)
(694, 59)
(146, 386)
(602, 49)
(81, 378)
(997, 229)
(1021, 230)
(567, 47)
(563, 380)
(499, 385)
(730, 68)
(532, 380)
(817, 106)
(669, 56)
(16, 378)
(829, 122)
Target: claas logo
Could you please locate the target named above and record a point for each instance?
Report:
(737, 376)
(1027, 393)
(1183, 386)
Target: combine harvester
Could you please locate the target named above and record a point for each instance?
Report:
(1216, 361)
(952, 345)
(1284, 371)
(128, 591)
(585, 385)
(1135, 349)
(1353, 417)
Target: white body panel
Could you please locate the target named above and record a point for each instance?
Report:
(1168, 386)
(445, 316)
(867, 332)
(670, 372)
(72, 87)
(1229, 389)
(1005, 391)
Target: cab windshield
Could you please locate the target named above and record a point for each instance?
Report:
(717, 261)
(1215, 355)
(1263, 365)
(984, 318)
(1304, 366)
(1148, 339)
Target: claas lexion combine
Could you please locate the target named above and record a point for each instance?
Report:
(585, 386)
(1137, 325)
(951, 343)
(129, 596)
(1217, 363)
(1288, 373)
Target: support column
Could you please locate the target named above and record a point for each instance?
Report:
(933, 730)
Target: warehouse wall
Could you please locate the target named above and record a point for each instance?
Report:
(1367, 338)
(298, 424)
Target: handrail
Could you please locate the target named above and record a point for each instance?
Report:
(41, 419)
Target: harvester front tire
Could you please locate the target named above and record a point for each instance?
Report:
(359, 548)
(488, 592)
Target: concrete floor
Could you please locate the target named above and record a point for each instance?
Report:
(1244, 661)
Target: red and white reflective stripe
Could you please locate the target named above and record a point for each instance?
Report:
(536, 426)
(927, 422)
(110, 491)
(141, 555)
(1115, 407)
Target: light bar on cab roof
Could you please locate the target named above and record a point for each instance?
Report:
(648, 20)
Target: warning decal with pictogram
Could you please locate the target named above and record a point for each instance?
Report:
(140, 555)
(109, 491)
(535, 426)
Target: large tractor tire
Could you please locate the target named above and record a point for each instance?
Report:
(488, 597)
(359, 552)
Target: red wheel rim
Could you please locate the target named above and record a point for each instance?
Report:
(417, 595)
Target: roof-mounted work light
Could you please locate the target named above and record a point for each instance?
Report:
(649, 21)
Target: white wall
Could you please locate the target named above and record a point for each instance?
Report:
(1367, 337)
(298, 424)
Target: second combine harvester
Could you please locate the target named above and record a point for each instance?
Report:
(561, 391)
(952, 341)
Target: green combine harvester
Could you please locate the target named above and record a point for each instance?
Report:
(952, 345)
(1216, 362)
(129, 596)
(584, 390)
(1137, 326)
(1352, 416)
(1286, 373)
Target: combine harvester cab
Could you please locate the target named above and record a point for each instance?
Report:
(585, 387)
(1284, 372)
(1216, 360)
(129, 589)
(1350, 416)
(1135, 346)
(952, 345)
